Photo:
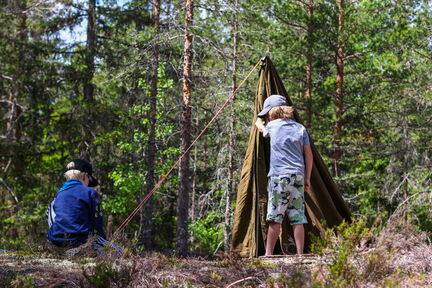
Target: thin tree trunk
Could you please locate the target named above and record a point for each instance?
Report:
(204, 154)
(16, 94)
(339, 97)
(88, 85)
(232, 141)
(309, 65)
(406, 165)
(147, 214)
(183, 199)
(194, 177)
(90, 51)
(13, 125)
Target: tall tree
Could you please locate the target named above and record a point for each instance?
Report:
(147, 214)
(309, 61)
(15, 90)
(88, 85)
(186, 124)
(232, 133)
(339, 95)
(89, 58)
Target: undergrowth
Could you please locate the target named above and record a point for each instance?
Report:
(354, 255)
(108, 274)
(394, 254)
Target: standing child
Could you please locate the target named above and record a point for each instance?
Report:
(291, 163)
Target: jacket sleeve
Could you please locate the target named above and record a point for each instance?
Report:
(97, 217)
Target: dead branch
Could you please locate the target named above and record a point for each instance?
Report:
(239, 281)
(6, 77)
(9, 190)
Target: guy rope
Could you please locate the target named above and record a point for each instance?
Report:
(158, 184)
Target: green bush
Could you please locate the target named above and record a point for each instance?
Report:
(208, 232)
(339, 245)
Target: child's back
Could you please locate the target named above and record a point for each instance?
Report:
(287, 141)
(290, 169)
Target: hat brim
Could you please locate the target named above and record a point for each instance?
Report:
(264, 112)
(93, 182)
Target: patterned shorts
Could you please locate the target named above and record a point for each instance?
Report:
(286, 193)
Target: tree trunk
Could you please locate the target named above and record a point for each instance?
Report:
(309, 65)
(16, 93)
(339, 97)
(183, 199)
(90, 51)
(232, 141)
(88, 86)
(194, 179)
(147, 214)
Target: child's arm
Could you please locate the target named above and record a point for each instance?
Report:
(260, 124)
(308, 165)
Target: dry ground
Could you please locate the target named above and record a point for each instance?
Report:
(398, 256)
(408, 269)
(152, 271)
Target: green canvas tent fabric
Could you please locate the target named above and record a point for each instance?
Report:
(323, 201)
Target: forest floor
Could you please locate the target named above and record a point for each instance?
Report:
(160, 271)
(152, 271)
(400, 256)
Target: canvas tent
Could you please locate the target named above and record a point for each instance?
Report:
(323, 201)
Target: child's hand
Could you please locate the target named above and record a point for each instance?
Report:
(260, 124)
(306, 185)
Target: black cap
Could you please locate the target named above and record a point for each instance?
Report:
(83, 166)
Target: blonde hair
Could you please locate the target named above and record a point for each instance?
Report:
(73, 174)
(280, 112)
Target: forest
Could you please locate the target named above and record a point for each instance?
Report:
(130, 84)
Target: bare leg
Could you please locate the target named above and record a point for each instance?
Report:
(272, 236)
(299, 237)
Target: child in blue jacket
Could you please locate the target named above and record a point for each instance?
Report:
(75, 213)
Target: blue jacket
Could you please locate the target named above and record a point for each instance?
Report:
(75, 213)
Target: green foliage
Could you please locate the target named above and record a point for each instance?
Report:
(208, 232)
(127, 183)
(339, 244)
(422, 214)
(261, 264)
(216, 277)
(21, 281)
(106, 274)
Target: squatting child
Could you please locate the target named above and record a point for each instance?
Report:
(75, 213)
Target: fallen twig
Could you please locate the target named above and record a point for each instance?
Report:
(239, 281)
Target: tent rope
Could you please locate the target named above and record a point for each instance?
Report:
(159, 183)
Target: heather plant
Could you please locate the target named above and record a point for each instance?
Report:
(339, 246)
(295, 279)
(108, 274)
(354, 255)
